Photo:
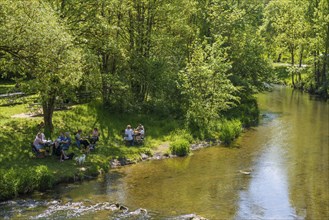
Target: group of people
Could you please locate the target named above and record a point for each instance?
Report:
(134, 135)
(87, 142)
(62, 143)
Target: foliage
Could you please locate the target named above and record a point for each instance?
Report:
(230, 130)
(206, 87)
(281, 73)
(35, 45)
(180, 134)
(24, 180)
(238, 23)
(180, 147)
(304, 37)
(179, 67)
(246, 112)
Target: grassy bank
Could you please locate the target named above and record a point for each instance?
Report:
(21, 172)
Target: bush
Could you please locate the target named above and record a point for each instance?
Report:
(44, 178)
(180, 134)
(230, 130)
(180, 147)
(21, 180)
(8, 184)
(247, 111)
(26, 180)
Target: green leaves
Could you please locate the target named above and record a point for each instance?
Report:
(206, 87)
(32, 39)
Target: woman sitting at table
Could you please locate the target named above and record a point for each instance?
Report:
(38, 142)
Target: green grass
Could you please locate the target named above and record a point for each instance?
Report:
(18, 164)
(6, 87)
(23, 173)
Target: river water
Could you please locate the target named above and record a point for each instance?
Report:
(277, 170)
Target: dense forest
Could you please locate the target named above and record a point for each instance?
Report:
(196, 60)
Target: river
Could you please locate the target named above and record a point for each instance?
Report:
(277, 170)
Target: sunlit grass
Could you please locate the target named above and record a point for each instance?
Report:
(17, 133)
(6, 87)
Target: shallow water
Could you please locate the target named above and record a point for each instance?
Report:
(277, 170)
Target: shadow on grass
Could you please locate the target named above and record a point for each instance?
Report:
(112, 125)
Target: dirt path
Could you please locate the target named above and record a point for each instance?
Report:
(163, 148)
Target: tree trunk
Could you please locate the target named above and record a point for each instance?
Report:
(48, 107)
(300, 63)
(317, 69)
(292, 64)
(104, 71)
(279, 58)
(325, 59)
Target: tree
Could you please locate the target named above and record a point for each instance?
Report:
(319, 19)
(288, 27)
(206, 87)
(135, 47)
(38, 47)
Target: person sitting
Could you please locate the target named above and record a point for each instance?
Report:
(43, 137)
(139, 133)
(129, 136)
(57, 144)
(81, 141)
(65, 144)
(37, 145)
(142, 132)
(39, 142)
(94, 136)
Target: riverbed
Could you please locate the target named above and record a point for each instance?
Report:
(277, 170)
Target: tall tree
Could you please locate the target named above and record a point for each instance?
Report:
(206, 87)
(38, 47)
(288, 27)
(139, 46)
(319, 19)
(238, 22)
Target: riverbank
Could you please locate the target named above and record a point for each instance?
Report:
(305, 82)
(23, 173)
(162, 152)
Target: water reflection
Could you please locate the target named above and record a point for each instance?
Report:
(267, 196)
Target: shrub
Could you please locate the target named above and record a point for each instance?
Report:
(230, 130)
(8, 184)
(44, 177)
(247, 111)
(180, 147)
(26, 180)
(180, 134)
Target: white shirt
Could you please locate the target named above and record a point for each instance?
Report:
(43, 137)
(129, 134)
